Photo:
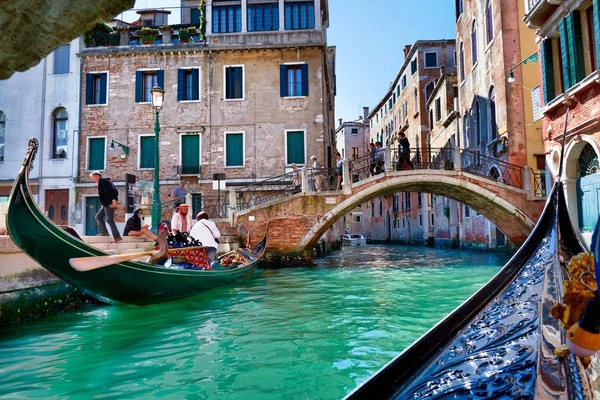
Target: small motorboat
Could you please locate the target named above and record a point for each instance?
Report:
(353, 240)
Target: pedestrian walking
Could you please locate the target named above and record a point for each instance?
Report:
(109, 199)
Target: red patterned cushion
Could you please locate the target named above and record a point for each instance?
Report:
(196, 257)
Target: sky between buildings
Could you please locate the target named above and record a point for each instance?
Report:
(369, 37)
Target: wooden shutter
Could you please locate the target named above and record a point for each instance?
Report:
(103, 87)
(235, 150)
(89, 88)
(228, 82)
(96, 154)
(190, 152)
(304, 79)
(139, 86)
(564, 50)
(195, 84)
(596, 24)
(238, 83)
(295, 148)
(575, 43)
(547, 70)
(181, 84)
(160, 78)
(283, 81)
(147, 150)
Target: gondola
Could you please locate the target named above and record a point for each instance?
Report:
(128, 282)
(500, 342)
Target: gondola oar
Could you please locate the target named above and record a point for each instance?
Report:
(89, 263)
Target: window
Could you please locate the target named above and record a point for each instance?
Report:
(398, 91)
(467, 212)
(147, 152)
(234, 149)
(466, 130)
(354, 153)
(438, 109)
(419, 199)
(354, 131)
(462, 62)
(455, 58)
(413, 66)
(420, 219)
(226, 19)
(59, 133)
(407, 200)
(429, 90)
(96, 153)
(144, 82)
(195, 17)
(489, 22)
(476, 123)
(2, 134)
(299, 15)
(474, 43)
(403, 82)
(492, 113)
(188, 84)
(263, 17)
(295, 148)
(430, 119)
(431, 60)
(293, 80)
(96, 84)
(61, 59)
(380, 207)
(458, 8)
(234, 82)
(190, 155)
(416, 100)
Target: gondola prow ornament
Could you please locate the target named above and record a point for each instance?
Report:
(583, 338)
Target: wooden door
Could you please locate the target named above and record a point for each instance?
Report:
(57, 206)
(92, 206)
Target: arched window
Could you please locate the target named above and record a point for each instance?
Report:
(458, 7)
(588, 161)
(476, 123)
(489, 21)
(474, 42)
(60, 136)
(416, 98)
(2, 131)
(492, 114)
(461, 56)
(429, 90)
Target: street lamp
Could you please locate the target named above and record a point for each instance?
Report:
(157, 103)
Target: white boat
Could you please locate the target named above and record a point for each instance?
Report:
(353, 240)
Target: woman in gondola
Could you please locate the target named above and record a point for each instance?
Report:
(133, 226)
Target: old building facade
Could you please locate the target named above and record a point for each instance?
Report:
(569, 51)
(250, 100)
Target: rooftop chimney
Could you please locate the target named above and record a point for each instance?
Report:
(340, 120)
(365, 113)
(407, 50)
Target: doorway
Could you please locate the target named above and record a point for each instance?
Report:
(57, 206)
(92, 206)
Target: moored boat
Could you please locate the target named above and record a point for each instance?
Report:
(353, 240)
(128, 282)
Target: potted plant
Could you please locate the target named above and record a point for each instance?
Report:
(147, 35)
(184, 35)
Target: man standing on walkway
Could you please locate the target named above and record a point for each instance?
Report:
(109, 198)
(179, 193)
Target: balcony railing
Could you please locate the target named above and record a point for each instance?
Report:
(189, 169)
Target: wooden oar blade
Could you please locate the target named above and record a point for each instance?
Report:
(90, 263)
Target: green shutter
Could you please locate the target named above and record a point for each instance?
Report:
(235, 149)
(195, 84)
(283, 81)
(575, 43)
(139, 86)
(147, 148)
(96, 154)
(89, 88)
(181, 85)
(228, 82)
(103, 88)
(596, 24)
(190, 153)
(564, 50)
(547, 70)
(295, 148)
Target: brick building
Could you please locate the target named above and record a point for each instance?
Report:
(569, 51)
(254, 97)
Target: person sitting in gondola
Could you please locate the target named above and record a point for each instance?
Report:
(206, 232)
(181, 221)
(133, 226)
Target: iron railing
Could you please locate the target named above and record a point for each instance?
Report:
(491, 168)
(189, 170)
(269, 189)
(538, 183)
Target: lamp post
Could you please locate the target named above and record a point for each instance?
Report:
(157, 104)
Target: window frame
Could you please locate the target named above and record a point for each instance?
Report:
(216, 8)
(307, 4)
(144, 71)
(54, 155)
(474, 48)
(105, 104)
(68, 61)
(285, 144)
(139, 148)
(199, 84)
(225, 134)
(225, 82)
(274, 22)
(437, 61)
(489, 22)
(295, 65)
(87, 152)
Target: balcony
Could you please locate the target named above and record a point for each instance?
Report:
(538, 11)
(183, 170)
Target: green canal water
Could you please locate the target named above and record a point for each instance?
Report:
(301, 333)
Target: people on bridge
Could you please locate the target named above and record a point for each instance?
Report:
(206, 232)
(317, 174)
(296, 179)
(372, 157)
(133, 226)
(379, 157)
(181, 221)
(404, 161)
(339, 170)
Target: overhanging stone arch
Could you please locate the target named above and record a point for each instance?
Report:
(508, 216)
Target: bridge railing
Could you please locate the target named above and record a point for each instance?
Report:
(475, 163)
(269, 189)
(538, 183)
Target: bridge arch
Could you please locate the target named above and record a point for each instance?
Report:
(488, 198)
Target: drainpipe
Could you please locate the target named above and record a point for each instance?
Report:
(42, 123)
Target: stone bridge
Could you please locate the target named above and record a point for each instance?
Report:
(297, 222)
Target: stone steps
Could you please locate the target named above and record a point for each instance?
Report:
(128, 245)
